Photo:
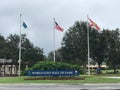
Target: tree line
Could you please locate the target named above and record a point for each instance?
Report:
(104, 46)
(9, 49)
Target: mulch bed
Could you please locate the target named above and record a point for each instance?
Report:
(54, 78)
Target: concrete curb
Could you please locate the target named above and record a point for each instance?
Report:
(52, 84)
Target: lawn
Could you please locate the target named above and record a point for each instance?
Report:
(88, 79)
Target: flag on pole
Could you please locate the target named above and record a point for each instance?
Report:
(93, 24)
(24, 25)
(58, 27)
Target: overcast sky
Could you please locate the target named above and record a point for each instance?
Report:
(39, 14)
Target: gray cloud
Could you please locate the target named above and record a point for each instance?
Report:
(39, 14)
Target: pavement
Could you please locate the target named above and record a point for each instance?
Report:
(54, 86)
(114, 77)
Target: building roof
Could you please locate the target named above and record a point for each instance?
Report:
(5, 60)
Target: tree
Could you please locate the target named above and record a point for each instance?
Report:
(30, 53)
(58, 55)
(98, 46)
(113, 48)
(3, 48)
(13, 47)
(74, 44)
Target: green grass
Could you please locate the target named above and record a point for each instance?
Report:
(88, 79)
(109, 71)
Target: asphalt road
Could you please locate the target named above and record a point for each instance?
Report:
(60, 87)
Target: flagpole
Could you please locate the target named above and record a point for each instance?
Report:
(54, 42)
(20, 48)
(88, 47)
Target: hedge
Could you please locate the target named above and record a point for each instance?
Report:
(50, 65)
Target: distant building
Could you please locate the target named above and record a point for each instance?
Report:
(96, 66)
(8, 67)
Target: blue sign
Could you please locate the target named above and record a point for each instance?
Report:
(52, 73)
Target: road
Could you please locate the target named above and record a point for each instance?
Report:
(59, 87)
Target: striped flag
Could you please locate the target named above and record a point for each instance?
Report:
(93, 24)
(57, 27)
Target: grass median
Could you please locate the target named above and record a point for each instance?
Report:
(88, 79)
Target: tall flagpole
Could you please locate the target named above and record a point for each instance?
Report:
(20, 48)
(54, 41)
(88, 47)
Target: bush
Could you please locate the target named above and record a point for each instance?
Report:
(50, 65)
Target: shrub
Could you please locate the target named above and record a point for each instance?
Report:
(50, 65)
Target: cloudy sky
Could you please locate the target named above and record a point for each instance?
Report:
(39, 14)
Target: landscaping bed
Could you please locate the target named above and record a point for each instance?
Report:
(54, 78)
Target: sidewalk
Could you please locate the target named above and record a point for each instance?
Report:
(115, 77)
